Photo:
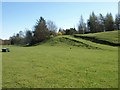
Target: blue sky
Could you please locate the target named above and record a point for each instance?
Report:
(18, 16)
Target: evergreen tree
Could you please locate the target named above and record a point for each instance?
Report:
(70, 31)
(109, 22)
(117, 22)
(93, 23)
(41, 32)
(101, 23)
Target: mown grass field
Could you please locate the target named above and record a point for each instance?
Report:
(61, 63)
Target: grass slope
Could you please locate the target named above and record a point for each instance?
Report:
(111, 36)
(61, 63)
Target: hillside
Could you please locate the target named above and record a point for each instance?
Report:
(109, 38)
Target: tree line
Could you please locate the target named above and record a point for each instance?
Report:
(42, 31)
(45, 30)
(95, 24)
(103, 23)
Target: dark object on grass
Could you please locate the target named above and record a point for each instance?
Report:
(5, 50)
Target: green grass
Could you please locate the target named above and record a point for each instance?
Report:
(111, 36)
(61, 63)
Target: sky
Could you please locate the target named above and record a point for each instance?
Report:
(19, 16)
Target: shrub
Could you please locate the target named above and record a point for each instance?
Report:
(59, 33)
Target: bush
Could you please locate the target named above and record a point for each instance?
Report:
(59, 33)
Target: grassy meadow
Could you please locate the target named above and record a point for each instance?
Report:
(61, 62)
(111, 36)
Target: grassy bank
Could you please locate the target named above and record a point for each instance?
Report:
(111, 36)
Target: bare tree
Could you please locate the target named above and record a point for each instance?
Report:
(51, 26)
(81, 26)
